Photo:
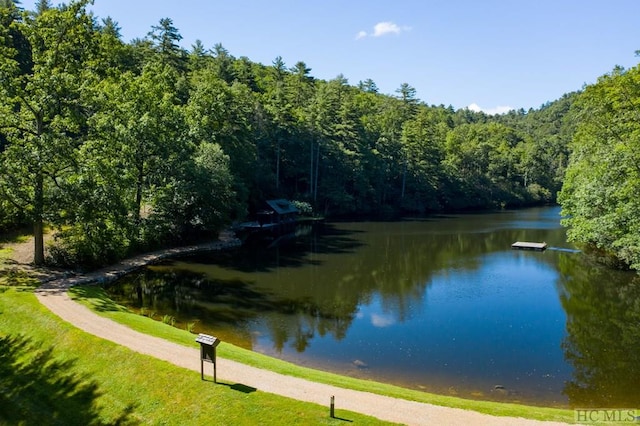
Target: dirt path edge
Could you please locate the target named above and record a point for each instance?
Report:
(53, 295)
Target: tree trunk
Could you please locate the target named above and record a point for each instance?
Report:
(139, 185)
(315, 185)
(278, 164)
(38, 227)
(311, 152)
(38, 241)
(404, 178)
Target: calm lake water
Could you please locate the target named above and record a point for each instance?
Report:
(440, 304)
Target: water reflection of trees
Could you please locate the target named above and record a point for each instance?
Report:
(399, 267)
(188, 296)
(394, 263)
(603, 325)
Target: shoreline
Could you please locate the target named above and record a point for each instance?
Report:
(53, 295)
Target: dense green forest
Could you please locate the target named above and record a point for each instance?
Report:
(121, 147)
(601, 190)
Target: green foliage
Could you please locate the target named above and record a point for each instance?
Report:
(89, 244)
(126, 147)
(41, 97)
(165, 38)
(15, 277)
(601, 327)
(600, 193)
(10, 217)
(486, 159)
(539, 194)
(191, 326)
(546, 153)
(169, 319)
(217, 113)
(305, 208)
(59, 374)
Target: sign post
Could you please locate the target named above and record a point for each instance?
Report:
(208, 346)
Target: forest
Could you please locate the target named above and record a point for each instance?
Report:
(119, 147)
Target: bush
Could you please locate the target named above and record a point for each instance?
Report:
(169, 319)
(303, 207)
(538, 193)
(88, 246)
(10, 218)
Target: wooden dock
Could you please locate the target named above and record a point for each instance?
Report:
(524, 245)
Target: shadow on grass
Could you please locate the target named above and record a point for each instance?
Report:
(239, 387)
(15, 236)
(38, 388)
(16, 277)
(98, 298)
(242, 388)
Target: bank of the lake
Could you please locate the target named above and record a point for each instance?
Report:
(99, 358)
(52, 373)
(32, 405)
(440, 304)
(365, 400)
(109, 308)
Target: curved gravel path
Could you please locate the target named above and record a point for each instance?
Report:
(54, 296)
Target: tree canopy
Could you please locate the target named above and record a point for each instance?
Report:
(125, 146)
(600, 192)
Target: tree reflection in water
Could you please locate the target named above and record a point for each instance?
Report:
(603, 340)
(435, 303)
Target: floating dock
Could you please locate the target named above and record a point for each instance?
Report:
(524, 245)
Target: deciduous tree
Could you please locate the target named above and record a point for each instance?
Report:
(41, 96)
(600, 194)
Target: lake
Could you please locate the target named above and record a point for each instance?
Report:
(441, 304)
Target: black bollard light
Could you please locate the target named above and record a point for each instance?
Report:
(332, 408)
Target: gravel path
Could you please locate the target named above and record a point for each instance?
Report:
(54, 296)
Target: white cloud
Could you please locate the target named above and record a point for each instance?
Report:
(382, 321)
(383, 28)
(501, 109)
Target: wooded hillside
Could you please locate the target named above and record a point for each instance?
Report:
(124, 146)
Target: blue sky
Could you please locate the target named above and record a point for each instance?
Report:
(489, 54)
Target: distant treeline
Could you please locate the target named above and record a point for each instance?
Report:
(121, 147)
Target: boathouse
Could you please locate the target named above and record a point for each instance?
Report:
(277, 212)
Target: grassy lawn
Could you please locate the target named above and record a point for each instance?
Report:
(9, 273)
(18, 236)
(96, 299)
(52, 373)
(5, 254)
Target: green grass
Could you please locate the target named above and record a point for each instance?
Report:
(18, 236)
(52, 373)
(96, 299)
(11, 275)
(5, 253)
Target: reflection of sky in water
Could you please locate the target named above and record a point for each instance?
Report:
(382, 320)
(441, 304)
(500, 324)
